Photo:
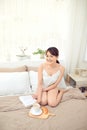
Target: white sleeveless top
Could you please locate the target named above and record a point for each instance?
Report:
(49, 80)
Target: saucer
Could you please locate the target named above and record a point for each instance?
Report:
(33, 112)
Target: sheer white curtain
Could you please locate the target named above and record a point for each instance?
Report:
(74, 33)
(43, 23)
(78, 34)
(85, 55)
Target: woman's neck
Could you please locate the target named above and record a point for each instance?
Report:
(52, 65)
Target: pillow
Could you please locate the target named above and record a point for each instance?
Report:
(14, 83)
(73, 93)
(34, 80)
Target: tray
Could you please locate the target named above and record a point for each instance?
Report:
(44, 115)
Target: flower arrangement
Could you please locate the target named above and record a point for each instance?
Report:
(40, 52)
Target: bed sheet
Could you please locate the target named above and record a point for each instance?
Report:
(69, 115)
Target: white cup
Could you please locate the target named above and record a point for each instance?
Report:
(36, 107)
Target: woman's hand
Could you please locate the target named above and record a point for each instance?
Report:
(35, 96)
(44, 90)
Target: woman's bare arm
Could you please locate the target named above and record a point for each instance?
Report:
(40, 83)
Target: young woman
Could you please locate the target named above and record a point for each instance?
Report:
(50, 74)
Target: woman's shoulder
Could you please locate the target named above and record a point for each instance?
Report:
(41, 66)
(61, 67)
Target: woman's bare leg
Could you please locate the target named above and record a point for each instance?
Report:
(54, 97)
(59, 96)
(44, 99)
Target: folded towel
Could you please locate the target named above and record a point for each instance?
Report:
(27, 100)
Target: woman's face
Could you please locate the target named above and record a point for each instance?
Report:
(51, 59)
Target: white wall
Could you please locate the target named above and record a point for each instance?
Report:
(44, 23)
(33, 24)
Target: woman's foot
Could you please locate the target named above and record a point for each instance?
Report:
(64, 90)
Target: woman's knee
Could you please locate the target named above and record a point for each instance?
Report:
(44, 102)
(52, 103)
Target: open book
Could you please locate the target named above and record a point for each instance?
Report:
(27, 100)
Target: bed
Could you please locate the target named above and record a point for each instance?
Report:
(70, 114)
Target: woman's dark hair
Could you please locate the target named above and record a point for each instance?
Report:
(54, 51)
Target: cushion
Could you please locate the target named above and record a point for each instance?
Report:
(14, 83)
(34, 80)
(73, 93)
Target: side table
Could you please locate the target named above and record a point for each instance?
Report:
(79, 81)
